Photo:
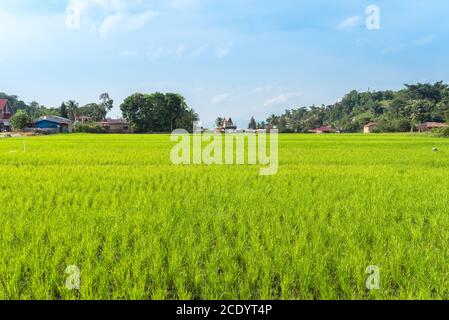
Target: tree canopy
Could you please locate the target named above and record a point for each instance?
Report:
(252, 124)
(158, 112)
(70, 109)
(395, 111)
(20, 119)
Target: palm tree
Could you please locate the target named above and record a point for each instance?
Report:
(273, 120)
(72, 108)
(415, 110)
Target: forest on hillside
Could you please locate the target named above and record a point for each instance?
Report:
(395, 111)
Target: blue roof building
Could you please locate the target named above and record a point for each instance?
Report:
(54, 124)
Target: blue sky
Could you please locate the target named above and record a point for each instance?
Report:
(238, 58)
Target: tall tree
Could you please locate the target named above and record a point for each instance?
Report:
(63, 111)
(252, 124)
(174, 105)
(72, 108)
(219, 122)
(106, 102)
(33, 108)
(261, 125)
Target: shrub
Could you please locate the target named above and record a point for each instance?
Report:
(20, 120)
(441, 132)
(385, 126)
(89, 128)
(402, 125)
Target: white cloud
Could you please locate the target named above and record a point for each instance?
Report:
(424, 41)
(157, 53)
(110, 23)
(183, 4)
(281, 99)
(199, 50)
(223, 52)
(20, 31)
(77, 8)
(180, 50)
(128, 22)
(112, 14)
(139, 20)
(219, 98)
(421, 42)
(261, 89)
(350, 22)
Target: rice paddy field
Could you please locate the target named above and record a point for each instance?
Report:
(139, 227)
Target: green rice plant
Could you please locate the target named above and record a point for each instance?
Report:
(139, 227)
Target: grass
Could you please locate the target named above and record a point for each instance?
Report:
(140, 228)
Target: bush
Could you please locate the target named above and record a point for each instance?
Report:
(89, 128)
(441, 132)
(385, 126)
(20, 120)
(402, 125)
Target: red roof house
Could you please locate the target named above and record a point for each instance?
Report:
(5, 115)
(323, 130)
(427, 126)
(369, 127)
(227, 126)
(5, 110)
(116, 126)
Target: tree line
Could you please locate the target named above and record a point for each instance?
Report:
(394, 111)
(68, 109)
(156, 112)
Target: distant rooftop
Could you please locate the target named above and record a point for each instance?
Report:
(53, 119)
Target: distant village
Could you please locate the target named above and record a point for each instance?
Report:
(52, 124)
(417, 108)
(371, 127)
(228, 126)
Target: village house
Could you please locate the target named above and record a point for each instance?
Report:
(227, 126)
(5, 115)
(370, 127)
(323, 130)
(428, 126)
(83, 119)
(116, 126)
(54, 124)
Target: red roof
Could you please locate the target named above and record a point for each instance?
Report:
(432, 125)
(3, 103)
(324, 129)
(113, 121)
(437, 124)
